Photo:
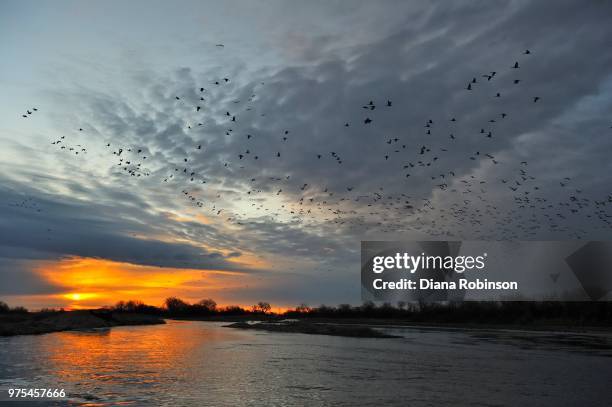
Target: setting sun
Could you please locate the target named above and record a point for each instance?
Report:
(79, 296)
(91, 283)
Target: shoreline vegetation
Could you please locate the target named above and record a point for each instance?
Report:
(34, 323)
(342, 320)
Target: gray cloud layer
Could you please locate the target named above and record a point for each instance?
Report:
(422, 63)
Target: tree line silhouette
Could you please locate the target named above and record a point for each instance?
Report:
(176, 307)
(468, 312)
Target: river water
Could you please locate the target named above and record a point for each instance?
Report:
(205, 364)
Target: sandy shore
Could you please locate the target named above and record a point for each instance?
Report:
(313, 329)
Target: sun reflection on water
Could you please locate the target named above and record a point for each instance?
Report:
(144, 357)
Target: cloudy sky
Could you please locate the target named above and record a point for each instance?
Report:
(267, 190)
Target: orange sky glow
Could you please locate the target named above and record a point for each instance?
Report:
(91, 283)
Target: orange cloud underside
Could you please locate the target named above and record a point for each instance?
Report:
(90, 282)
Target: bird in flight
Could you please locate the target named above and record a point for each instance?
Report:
(462, 213)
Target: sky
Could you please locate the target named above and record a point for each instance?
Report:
(266, 192)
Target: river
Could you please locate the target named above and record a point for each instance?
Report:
(205, 364)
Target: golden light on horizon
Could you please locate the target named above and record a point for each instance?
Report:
(92, 282)
(79, 296)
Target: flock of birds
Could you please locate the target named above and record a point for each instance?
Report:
(472, 210)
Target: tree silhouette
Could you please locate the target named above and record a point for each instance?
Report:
(262, 307)
(207, 304)
(176, 305)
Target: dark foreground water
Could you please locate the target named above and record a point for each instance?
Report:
(202, 364)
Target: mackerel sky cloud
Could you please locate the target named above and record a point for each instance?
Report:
(301, 81)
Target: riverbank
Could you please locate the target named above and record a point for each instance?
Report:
(589, 342)
(542, 326)
(538, 326)
(32, 323)
(313, 329)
